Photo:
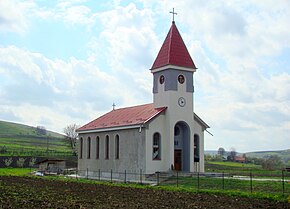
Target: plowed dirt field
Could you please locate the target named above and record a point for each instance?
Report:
(28, 192)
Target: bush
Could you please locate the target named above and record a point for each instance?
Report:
(32, 162)
(8, 161)
(3, 149)
(20, 162)
(273, 162)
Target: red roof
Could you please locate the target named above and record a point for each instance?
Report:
(173, 51)
(128, 116)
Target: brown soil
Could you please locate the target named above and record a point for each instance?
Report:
(26, 192)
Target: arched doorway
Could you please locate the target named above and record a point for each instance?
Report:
(181, 147)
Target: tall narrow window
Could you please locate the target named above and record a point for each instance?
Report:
(89, 148)
(156, 146)
(117, 149)
(196, 148)
(81, 148)
(97, 147)
(107, 148)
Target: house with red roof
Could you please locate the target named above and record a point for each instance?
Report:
(161, 136)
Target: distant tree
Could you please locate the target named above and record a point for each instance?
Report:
(217, 158)
(3, 149)
(245, 156)
(20, 162)
(221, 151)
(72, 135)
(233, 154)
(207, 157)
(273, 162)
(255, 160)
(40, 130)
(8, 161)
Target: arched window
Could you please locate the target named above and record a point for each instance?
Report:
(81, 148)
(89, 148)
(156, 146)
(176, 131)
(107, 147)
(161, 79)
(181, 79)
(97, 147)
(196, 148)
(117, 144)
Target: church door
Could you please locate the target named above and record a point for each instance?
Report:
(181, 147)
(177, 159)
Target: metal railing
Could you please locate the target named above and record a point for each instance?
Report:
(241, 182)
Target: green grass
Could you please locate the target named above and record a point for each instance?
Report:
(15, 171)
(239, 168)
(231, 186)
(236, 164)
(22, 140)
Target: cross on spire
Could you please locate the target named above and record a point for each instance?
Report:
(173, 13)
(113, 105)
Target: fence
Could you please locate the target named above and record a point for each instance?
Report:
(253, 183)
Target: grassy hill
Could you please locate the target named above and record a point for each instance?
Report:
(284, 154)
(22, 140)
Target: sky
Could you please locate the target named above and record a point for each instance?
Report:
(68, 61)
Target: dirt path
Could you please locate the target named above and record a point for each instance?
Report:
(25, 192)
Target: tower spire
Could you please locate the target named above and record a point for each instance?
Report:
(173, 51)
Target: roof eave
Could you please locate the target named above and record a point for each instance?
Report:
(97, 130)
(155, 115)
(167, 66)
(206, 126)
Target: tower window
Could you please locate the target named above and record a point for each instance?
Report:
(156, 146)
(181, 79)
(161, 79)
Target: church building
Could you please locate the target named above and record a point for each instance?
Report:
(161, 136)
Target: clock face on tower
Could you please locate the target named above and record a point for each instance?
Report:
(181, 102)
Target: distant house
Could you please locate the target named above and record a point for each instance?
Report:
(240, 159)
(51, 165)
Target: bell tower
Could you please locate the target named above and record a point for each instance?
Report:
(173, 88)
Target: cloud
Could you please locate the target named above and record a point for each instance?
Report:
(65, 88)
(74, 13)
(12, 16)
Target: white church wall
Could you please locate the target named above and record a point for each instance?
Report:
(198, 129)
(131, 152)
(157, 125)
